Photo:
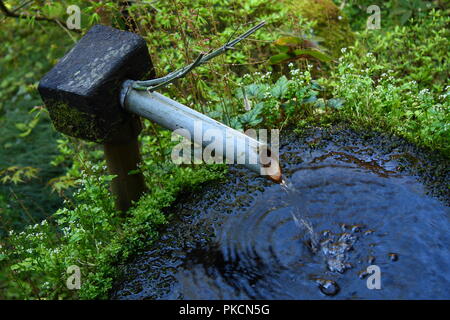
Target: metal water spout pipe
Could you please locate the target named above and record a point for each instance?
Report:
(231, 144)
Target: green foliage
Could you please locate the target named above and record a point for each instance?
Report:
(40, 254)
(328, 23)
(418, 52)
(402, 10)
(90, 233)
(26, 136)
(87, 231)
(292, 48)
(15, 174)
(393, 12)
(402, 84)
(280, 102)
(179, 30)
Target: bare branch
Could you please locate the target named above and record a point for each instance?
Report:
(13, 14)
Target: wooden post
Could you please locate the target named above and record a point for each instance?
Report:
(82, 95)
(122, 158)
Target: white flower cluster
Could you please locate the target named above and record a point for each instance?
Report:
(446, 94)
(295, 72)
(424, 92)
(266, 75)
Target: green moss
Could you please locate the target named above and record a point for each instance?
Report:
(73, 122)
(330, 23)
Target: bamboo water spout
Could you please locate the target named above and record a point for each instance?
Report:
(229, 144)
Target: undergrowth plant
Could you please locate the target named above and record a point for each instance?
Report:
(89, 233)
(400, 83)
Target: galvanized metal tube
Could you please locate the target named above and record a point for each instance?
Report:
(234, 146)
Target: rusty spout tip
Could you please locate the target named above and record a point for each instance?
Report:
(270, 165)
(278, 178)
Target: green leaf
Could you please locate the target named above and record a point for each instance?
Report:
(53, 10)
(278, 58)
(280, 88)
(236, 124)
(22, 126)
(311, 99)
(253, 91)
(399, 11)
(405, 17)
(252, 117)
(319, 55)
(335, 103)
(316, 86)
(288, 41)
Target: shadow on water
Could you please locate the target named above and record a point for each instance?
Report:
(348, 202)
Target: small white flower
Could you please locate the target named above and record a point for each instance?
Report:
(343, 50)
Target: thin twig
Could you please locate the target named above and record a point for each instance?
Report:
(245, 64)
(13, 14)
(151, 85)
(67, 31)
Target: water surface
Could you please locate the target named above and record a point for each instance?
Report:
(350, 204)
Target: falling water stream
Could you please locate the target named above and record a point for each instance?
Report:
(347, 201)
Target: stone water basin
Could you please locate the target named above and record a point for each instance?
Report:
(368, 199)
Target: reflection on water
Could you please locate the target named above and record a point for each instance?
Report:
(312, 237)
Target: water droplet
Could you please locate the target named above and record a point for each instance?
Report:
(357, 228)
(393, 256)
(362, 274)
(326, 233)
(328, 287)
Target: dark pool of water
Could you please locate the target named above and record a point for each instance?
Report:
(366, 200)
